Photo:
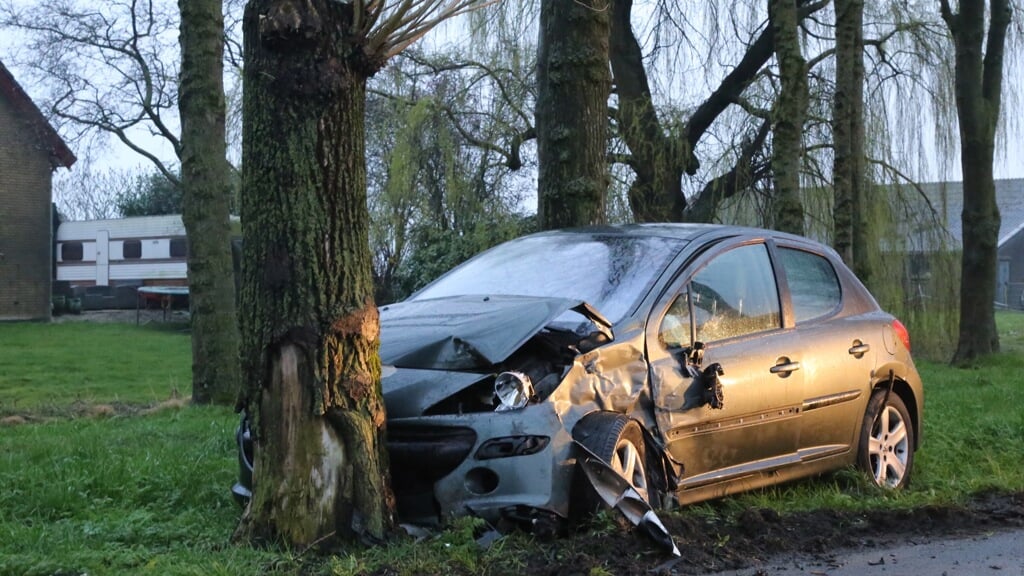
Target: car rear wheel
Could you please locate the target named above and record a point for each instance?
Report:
(619, 441)
(887, 441)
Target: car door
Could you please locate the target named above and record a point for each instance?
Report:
(729, 301)
(837, 352)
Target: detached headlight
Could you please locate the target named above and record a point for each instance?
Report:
(513, 390)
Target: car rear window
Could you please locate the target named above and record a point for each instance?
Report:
(813, 284)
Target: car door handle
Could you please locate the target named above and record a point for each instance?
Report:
(784, 367)
(859, 349)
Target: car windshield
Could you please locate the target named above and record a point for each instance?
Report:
(610, 272)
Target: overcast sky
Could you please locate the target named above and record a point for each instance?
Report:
(1009, 163)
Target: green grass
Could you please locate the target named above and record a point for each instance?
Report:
(131, 495)
(146, 492)
(49, 366)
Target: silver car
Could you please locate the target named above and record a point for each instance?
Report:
(675, 363)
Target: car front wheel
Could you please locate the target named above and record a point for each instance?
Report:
(619, 441)
(887, 441)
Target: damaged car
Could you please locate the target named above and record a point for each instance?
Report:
(639, 367)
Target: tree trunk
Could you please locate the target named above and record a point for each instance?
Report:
(850, 228)
(978, 86)
(573, 83)
(656, 194)
(205, 204)
(309, 324)
(788, 117)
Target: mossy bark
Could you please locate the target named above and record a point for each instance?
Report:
(309, 324)
(205, 204)
(573, 84)
(978, 88)
(849, 225)
(788, 116)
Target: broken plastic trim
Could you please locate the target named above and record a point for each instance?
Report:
(508, 446)
(617, 493)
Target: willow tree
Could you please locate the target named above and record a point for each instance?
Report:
(573, 83)
(978, 84)
(309, 324)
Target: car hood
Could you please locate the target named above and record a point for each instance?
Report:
(467, 332)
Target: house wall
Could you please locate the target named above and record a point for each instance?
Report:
(25, 225)
(1012, 251)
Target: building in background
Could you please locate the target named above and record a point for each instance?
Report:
(30, 151)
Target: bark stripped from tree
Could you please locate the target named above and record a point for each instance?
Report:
(205, 204)
(978, 86)
(309, 324)
(848, 175)
(310, 330)
(788, 116)
(572, 111)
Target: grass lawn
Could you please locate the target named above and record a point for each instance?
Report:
(145, 491)
(51, 367)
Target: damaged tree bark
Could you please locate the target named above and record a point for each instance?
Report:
(308, 320)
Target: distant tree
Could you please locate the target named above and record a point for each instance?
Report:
(978, 88)
(309, 324)
(150, 195)
(86, 193)
(442, 180)
(110, 67)
(573, 84)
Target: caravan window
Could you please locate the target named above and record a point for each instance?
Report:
(179, 249)
(70, 251)
(131, 249)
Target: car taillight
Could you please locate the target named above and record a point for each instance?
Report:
(901, 333)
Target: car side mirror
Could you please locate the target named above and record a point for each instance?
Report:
(705, 380)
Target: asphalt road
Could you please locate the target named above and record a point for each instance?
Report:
(996, 554)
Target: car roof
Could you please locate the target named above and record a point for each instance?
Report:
(678, 231)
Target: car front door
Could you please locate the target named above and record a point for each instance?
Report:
(729, 302)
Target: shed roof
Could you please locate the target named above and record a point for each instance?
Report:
(947, 199)
(60, 154)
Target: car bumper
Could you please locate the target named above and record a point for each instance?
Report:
(507, 465)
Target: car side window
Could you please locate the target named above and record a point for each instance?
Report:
(735, 295)
(813, 284)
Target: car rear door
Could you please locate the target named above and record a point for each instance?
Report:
(837, 350)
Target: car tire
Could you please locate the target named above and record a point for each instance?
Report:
(619, 441)
(886, 450)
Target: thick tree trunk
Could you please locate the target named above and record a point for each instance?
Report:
(573, 84)
(788, 119)
(978, 86)
(850, 228)
(205, 204)
(309, 324)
